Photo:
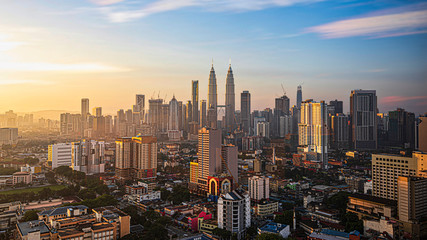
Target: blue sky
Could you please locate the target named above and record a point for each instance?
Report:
(109, 50)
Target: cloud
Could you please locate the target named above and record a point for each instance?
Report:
(401, 99)
(17, 82)
(6, 44)
(392, 23)
(126, 14)
(46, 66)
(105, 2)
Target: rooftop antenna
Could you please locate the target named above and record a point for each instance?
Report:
(212, 62)
(229, 61)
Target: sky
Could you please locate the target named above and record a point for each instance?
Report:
(53, 53)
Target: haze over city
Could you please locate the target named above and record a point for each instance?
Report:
(53, 53)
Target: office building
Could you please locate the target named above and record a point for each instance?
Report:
(203, 112)
(340, 131)
(412, 198)
(245, 108)
(262, 129)
(229, 164)
(281, 108)
(401, 131)
(173, 127)
(88, 156)
(229, 102)
(422, 134)
(313, 134)
(155, 114)
(8, 136)
(209, 161)
(136, 157)
(363, 118)
(299, 96)
(195, 100)
(60, 154)
(386, 169)
(97, 112)
(234, 212)
(259, 188)
(337, 106)
(212, 100)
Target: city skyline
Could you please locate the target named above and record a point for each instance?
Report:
(113, 62)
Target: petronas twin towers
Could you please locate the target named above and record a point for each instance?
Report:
(230, 101)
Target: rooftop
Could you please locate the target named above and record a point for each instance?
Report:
(32, 226)
(60, 210)
(273, 227)
(375, 199)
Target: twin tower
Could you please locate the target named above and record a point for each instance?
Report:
(229, 123)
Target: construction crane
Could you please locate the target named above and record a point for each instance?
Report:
(284, 92)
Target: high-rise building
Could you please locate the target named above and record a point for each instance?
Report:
(422, 134)
(386, 168)
(229, 102)
(140, 104)
(363, 117)
(59, 154)
(155, 113)
(84, 114)
(340, 131)
(259, 188)
(401, 132)
(281, 108)
(229, 164)
(8, 136)
(203, 109)
(234, 212)
(173, 127)
(299, 96)
(313, 133)
(88, 156)
(245, 108)
(212, 100)
(411, 198)
(338, 106)
(285, 125)
(195, 100)
(208, 156)
(136, 157)
(97, 111)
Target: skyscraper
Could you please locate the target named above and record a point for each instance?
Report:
(173, 126)
(281, 109)
(339, 131)
(140, 105)
(229, 163)
(155, 113)
(97, 112)
(85, 113)
(337, 106)
(299, 96)
(245, 107)
(209, 161)
(229, 101)
(313, 133)
(212, 100)
(195, 100)
(401, 131)
(363, 117)
(203, 109)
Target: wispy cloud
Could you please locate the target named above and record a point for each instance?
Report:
(46, 66)
(130, 12)
(21, 81)
(391, 23)
(401, 99)
(105, 2)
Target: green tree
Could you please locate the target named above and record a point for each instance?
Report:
(222, 233)
(269, 236)
(285, 218)
(30, 215)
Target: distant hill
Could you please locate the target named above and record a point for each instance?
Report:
(48, 114)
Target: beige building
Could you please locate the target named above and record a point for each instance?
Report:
(264, 209)
(370, 206)
(387, 168)
(259, 188)
(22, 177)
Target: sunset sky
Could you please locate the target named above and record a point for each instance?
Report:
(55, 52)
